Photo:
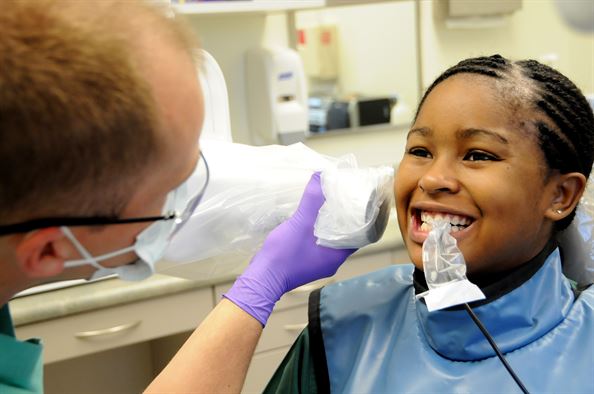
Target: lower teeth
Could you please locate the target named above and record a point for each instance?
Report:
(427, 227)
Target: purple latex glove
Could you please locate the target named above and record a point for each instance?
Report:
(288, 259)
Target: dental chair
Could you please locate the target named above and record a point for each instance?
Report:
(217, 125)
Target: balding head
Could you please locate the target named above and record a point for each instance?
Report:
(79, 119)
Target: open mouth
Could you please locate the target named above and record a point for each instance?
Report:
(425, 220)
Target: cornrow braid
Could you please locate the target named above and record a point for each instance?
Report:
(564, 104)
(493, 66)
(567, 139)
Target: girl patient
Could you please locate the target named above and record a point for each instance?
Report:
(502, 150)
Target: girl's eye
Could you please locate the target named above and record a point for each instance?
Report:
(420, 152)
(477, 155)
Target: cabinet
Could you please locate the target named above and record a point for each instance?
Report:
(240, 7)
(258, 6)
(105, 329)
(120, 349)
(117, 349)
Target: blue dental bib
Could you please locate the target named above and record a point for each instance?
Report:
(378, 338)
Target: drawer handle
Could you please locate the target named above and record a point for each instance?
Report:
(312, 286)
(295, 327)
(106, 331)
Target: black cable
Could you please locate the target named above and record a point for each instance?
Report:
(494, 346)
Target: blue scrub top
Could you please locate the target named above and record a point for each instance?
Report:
(21, 362)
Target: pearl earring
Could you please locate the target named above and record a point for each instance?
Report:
(558, 211)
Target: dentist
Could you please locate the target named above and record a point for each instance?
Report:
(100, 112)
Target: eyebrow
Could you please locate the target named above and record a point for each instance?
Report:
(469, 133)
(460, 134)
(423, 131)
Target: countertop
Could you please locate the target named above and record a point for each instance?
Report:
(110, 292)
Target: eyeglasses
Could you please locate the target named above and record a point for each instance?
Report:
(198, 180)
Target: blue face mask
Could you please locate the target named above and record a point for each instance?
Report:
(150, 243)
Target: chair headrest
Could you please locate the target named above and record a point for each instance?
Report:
(217, 124)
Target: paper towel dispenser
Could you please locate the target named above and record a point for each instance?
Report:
(276, 95)
(470, 8)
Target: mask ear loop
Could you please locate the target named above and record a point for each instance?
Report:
(88, 258)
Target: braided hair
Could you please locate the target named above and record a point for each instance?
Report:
(566, 135)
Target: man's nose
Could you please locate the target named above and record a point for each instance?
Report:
(440, 177)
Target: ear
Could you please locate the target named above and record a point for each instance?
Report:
(567, 191)
(41, 253)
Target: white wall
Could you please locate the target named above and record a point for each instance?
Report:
(532, 32)
(378, 55)
(377, 48)
(227, 38)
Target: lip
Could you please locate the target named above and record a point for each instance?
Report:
(414, 230)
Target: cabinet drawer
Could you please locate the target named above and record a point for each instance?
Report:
(86, 333)
(283, 328)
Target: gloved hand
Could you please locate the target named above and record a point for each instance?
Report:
(288, 259)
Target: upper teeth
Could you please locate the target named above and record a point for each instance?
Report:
(456, 220)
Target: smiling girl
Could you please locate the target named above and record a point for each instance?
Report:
(502, 150)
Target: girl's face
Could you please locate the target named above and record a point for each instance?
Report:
(465, 161)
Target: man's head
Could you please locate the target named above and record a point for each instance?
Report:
(100, 111)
